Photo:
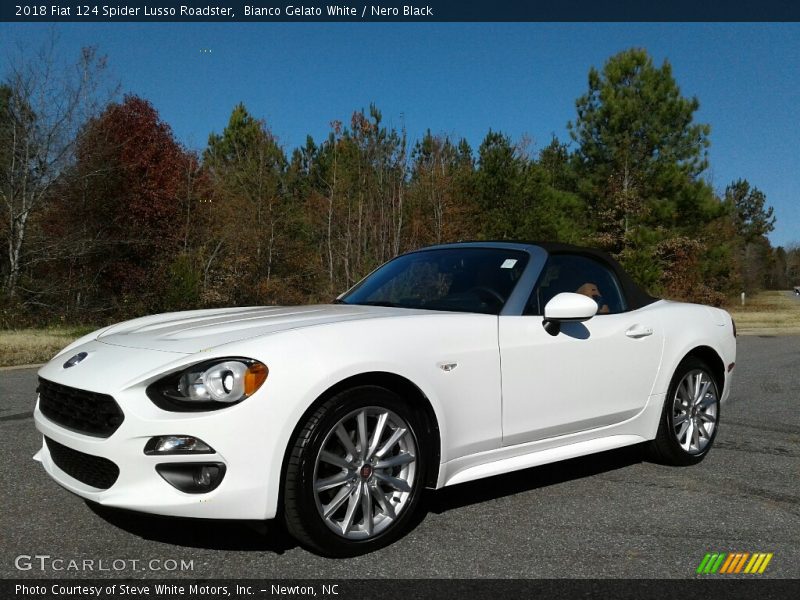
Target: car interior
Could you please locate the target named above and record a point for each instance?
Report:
(577, 274)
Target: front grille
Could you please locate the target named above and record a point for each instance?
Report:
(85, 412)
(95, 471)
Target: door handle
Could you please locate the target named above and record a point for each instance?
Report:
(637, 331)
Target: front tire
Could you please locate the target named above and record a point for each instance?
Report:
(355, 473)
(690, 418)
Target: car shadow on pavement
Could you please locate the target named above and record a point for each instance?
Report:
(271, 536)
(212, 534)
(500, 486)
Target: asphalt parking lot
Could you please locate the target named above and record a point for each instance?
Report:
(610, 515)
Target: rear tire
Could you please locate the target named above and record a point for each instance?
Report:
(355, 473)
(690, 417)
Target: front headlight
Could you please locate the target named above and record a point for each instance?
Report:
(209, 385)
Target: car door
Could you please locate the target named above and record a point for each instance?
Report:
(591, 374)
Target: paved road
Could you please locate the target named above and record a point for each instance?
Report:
(611, 515)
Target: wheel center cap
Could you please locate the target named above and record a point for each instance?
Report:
(365, 471)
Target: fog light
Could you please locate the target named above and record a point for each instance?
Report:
(177, 444)
(202, 478)
(192, 478)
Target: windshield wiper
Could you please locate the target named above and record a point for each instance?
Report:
(380, 303)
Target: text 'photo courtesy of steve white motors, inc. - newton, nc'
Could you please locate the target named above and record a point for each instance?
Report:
(121, 11)
(169, 589)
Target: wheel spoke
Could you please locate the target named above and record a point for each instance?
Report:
(686, 386)
(702, 429)
(688, 432)
(332, 482)
(377, 434)
(683, 430)
(338, 461)
(706, 417)
(361, 420)
(706, 402)
(352, 505)
(337, 501)
(680, 419)
(698, 380)
(684, 396)
(703, 391)
(366, 508)
(383, 501)
(403, 458)
(395, 482)
(347, 442)
(393, 439)
(696, 436)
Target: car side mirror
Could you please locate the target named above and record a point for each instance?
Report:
(567, 307)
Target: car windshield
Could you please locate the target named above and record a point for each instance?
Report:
(476, 280)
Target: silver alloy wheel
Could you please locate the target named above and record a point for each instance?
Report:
(694, 411)
(364, 472)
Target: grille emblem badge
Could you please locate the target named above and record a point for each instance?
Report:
(75, 359)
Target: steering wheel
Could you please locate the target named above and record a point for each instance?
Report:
(487, 292)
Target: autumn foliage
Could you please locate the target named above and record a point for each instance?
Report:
(135, 223)
(122, 207)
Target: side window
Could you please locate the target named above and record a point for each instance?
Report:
(581, 275)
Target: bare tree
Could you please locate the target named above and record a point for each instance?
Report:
(45, 104)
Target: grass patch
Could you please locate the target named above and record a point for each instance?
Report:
(768, 313)
(31, 346)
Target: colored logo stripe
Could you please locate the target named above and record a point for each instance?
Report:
(704, 563)
(727, 564)
(734, 562)
(758, 563)
(711, 562)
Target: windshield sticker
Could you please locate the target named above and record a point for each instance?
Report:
(508, 263)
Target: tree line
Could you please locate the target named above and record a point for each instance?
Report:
(106, 215)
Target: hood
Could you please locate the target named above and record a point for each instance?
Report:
(195, 331)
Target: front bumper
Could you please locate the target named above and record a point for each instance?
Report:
(250, 438)
(242, 494)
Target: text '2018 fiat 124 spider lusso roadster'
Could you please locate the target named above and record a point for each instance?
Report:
(445, 365)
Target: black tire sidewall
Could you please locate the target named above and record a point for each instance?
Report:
(682, 456)
(323, 539)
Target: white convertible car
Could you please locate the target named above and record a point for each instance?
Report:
(445, 365)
